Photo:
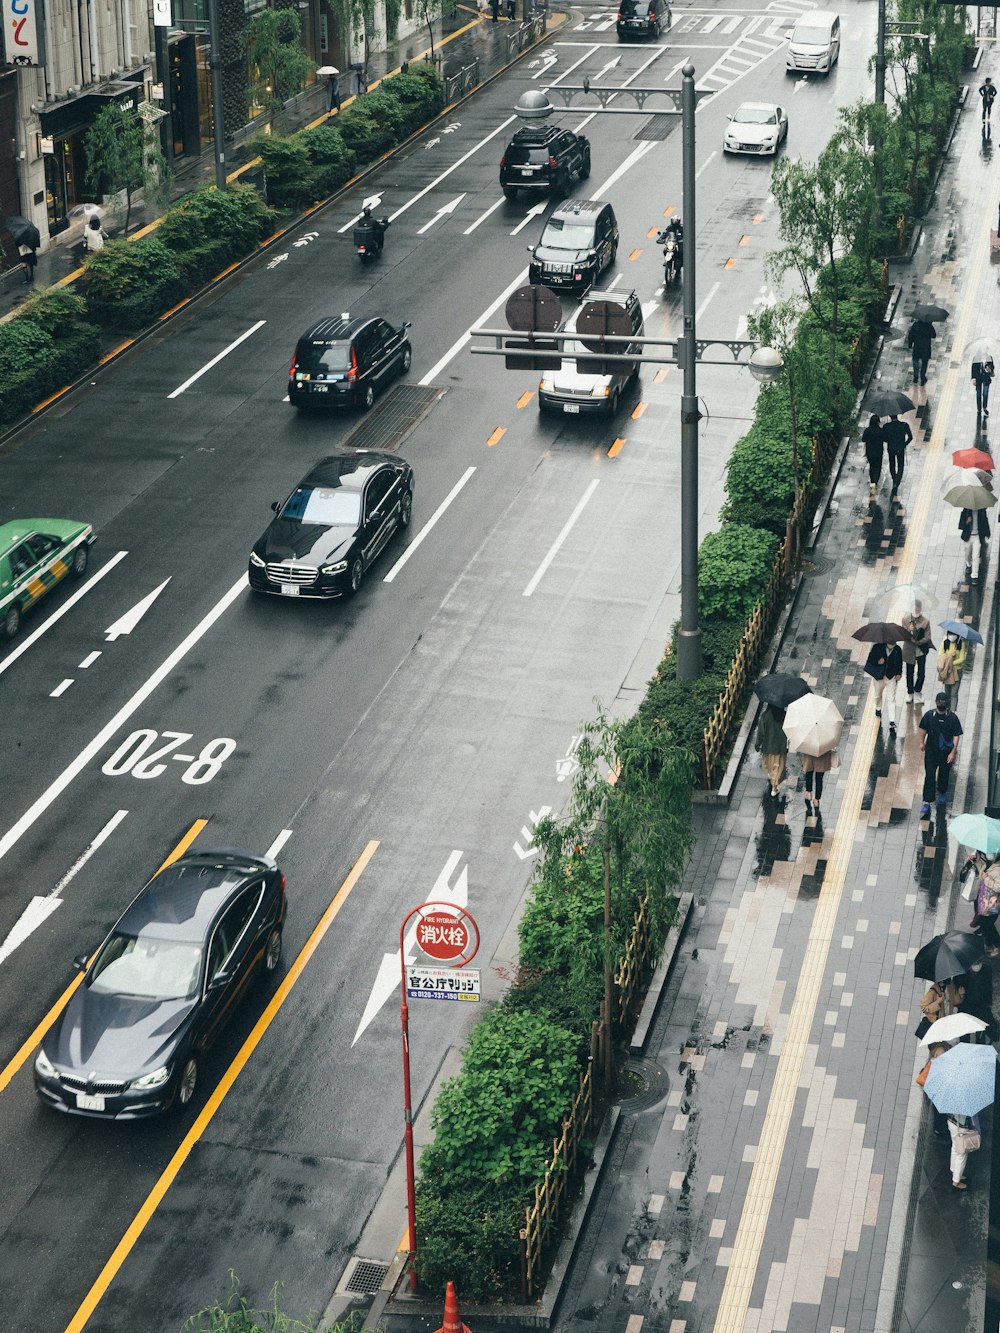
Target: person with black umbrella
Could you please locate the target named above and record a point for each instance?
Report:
(919, 339)
(29, 258)
(873, 438)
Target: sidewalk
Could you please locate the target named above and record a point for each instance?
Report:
(788, 1180)
(459, 39)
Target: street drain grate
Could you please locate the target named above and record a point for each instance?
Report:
(366, 1278)
(656, 127)
(396, 415)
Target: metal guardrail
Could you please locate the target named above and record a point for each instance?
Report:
(461, 82)
(531, 30)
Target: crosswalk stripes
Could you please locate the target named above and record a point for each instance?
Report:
(704, 24)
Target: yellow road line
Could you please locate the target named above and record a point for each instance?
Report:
(153, 1199)
(742, 1270)
(8, 1072)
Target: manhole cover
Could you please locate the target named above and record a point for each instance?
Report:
(656, 127)
(644, 1084)
(396, 415)
(366, 1278)
(817, 564)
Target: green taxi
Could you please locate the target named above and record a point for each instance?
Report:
(35, 555)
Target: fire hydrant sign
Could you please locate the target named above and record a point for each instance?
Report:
(442, 983)
(449, 937)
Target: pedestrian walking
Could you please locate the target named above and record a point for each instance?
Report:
(987, 93)
(978, 519)
(915, 651)
(334, 90)
(773, 745)
(512, 9)
(873, 438)
(984, 919)
(495, 10)
(937, 1048)
(966, 1137)
(29, 258)
(950, 663)
(814, 768)
(885, 666)
(897, 436)
(94, 236)
(982, 376)
(940, 730)
(978, 999)
(941, 999)
(918, 340)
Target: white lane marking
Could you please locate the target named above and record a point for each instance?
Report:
(704, 305)
(126, 624)
(428, 525)
(531, 213)
(705, 163)
(94, 747)
(89, 660)
(483, 216)
(454, 167)
(278, 843)
(39, 909)
(25, 644)
(442, 212)
(216, 359)
(61, 688)
(521, 278)
(536, 578)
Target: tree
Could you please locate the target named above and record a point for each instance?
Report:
(123, 156)
(278, 65)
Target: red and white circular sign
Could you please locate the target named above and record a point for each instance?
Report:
(449, 936)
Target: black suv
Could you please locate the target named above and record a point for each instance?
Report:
(642, 18)
(344, 361)
(579, 242)
(544, 158)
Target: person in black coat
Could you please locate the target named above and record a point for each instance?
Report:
(897, 436)
(885, 666)
(919, 339)
(977, 520)
(873, 439)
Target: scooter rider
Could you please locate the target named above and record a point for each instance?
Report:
(674, 230)
(379, 224)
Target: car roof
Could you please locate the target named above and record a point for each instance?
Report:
(350, 469)
(537, 134)
(183, 901)
(333, 329)
(625, 297)
(19, 528)
(579, 208)
(817, 17)
(757, 106)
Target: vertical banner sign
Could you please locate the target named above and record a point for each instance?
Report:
(19, 20)
(161, 13)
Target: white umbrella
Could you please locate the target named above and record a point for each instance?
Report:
(328, 70)
(980, 349)
(813, 725)
(951, 1028)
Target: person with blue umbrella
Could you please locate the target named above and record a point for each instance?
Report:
(961, 1082)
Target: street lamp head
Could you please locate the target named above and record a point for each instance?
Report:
(533, 105)
(766, 365)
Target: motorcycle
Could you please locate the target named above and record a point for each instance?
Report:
(369, 233)
(673, 256)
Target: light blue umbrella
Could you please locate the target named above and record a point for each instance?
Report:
(963, 1080)
(978, 831)
(961, 629)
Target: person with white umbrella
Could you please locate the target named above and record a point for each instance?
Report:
(813, 725)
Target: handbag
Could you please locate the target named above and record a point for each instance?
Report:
(966, 1140)
(921, 1078)
(970, 881)
(920, 1030)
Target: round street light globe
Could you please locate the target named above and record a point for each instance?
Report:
(766, 365)
(533, 105)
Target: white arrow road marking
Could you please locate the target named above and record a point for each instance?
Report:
(306, 238)
(528, 834)
(547, 64)
(126, 624)
(612, 64)
(216, 359)
(483, 216)
(553, 551)
(431, 143)
(531, 213)
(443, 211)
(25, 644)
(40, 909)
(387, 979)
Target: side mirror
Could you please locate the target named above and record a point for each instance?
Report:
(80, 962)
(220, 981)
(529, 248)
(729, 117)
(275, 506)
(407, 325)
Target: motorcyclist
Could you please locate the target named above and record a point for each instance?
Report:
(674, 231)
(379, 224)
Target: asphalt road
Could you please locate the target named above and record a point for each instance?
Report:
(432, 715)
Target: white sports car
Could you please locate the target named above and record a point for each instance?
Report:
(756, 127)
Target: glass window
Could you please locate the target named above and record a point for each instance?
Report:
(22, 560)
(324, 358)
(43, 545)
(378, 489)
(231, 928)
(146, 967)
(331, 506)
(562, 235)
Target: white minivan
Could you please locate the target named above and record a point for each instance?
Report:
(814, 45)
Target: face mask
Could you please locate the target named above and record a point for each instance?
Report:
(942, 708)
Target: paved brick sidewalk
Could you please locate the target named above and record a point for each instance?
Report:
(771, 1190)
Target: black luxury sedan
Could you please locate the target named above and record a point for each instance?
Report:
(333, 525)
(162, 985)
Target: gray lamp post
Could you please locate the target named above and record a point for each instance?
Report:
(765, 364)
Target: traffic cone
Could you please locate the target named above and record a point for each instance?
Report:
(452, 1319)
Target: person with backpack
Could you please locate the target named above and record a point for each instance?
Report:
(940, 730)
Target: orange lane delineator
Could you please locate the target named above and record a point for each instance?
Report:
(452, 1319)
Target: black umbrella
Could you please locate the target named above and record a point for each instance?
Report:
(23, 231)
(948, 955)
(930, 313)
(780, 689)
(887, 403)
(882, 631)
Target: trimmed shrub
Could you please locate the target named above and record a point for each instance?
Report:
(129, 283)
(420, 94)
(290, 176)
(333, 162)
(47, 346)
(372, 125)
(211, 229)
(734, 567)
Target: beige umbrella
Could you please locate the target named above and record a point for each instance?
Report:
(951, 1027)
(963, 492)
(813, 725)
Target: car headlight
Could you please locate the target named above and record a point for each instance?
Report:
(337, 568)
(256, 560)
(600, 391)
(154, 1080)
(44, 1065)
(547, 385)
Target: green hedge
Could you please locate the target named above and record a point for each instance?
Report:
(209, 230)
(48, 345)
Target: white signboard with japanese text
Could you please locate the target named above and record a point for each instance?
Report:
(19, 21)
(442, 983)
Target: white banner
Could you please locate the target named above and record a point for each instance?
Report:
(161, 13)
(19, 20)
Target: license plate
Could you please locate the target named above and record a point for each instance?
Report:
(319, 388)
(85, 1102)
(571, 407)
(290, 589)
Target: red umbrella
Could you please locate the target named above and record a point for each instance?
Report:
(973, 458)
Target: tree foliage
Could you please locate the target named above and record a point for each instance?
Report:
(123, 156)
(278, 65)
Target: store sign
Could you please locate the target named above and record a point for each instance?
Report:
(161, 13)
(19, 21)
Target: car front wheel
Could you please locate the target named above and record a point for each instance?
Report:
(12, 620)
(80, 558)
(357, 574)
(188, 1081)
(407, 358)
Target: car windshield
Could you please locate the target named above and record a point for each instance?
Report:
(146, 967)
(328, 360)
(627, 9)
(811, 36)
(331, 506)
(560, 235)
(756, 115)
(520, 155)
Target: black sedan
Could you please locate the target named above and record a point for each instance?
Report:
(333, 525)
(162, 985)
